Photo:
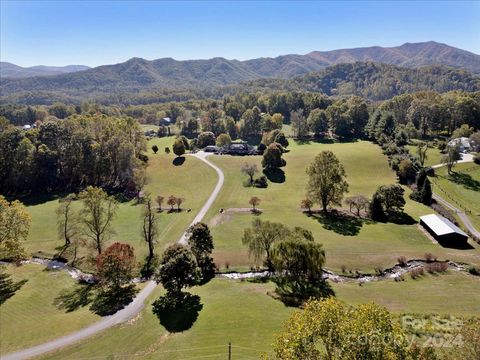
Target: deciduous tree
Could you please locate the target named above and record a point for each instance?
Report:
(178, 269)
(260, 238)
(254, 201)
(250, 170)
(14, 228)
(115, 265)
(67, 220)
(178, 147)
(97, 215)
(326, 183)
(149, 232)
(357, 202)
(201, 244)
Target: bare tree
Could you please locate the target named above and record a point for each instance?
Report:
(254, 201)
(97, 215)
(357, 202)
(67, 220)
(172, 200)
(422, 152)
(250, 170)
(451, 157)
(149, 229)
(179, 202)
(159, 199)
(307, 204)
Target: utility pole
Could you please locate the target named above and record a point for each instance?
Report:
(229, 351)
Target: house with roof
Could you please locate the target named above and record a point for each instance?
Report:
(443, 230)
(463, 144)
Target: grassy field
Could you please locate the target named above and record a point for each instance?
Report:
(193, 180)
(461, 188)
(354, 244)
(430, 294)
(233, 311)
(30, 317)
(434, 156)
(243, 313)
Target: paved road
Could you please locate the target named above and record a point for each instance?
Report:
(132, 309)
(201, 155)
(465, 158)
(460, 213)
(127, 313)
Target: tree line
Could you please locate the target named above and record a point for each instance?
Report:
(70, 154)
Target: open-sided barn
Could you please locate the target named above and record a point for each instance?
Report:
(443, 230)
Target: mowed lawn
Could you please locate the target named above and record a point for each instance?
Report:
(245, 315)
(356, 245)
(434, 156)
(30, 317)
(461, 188)
(193, 181)
(429, 294)
(233, 311)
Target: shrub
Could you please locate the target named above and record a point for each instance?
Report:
(474, 270)
(416, 273)
(402, 260)
(261, 182)
(429, 257)
(439, 208)
(437, 267)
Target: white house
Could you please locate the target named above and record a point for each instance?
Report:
(463, 144)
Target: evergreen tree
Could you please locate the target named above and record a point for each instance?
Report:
(376, 209)
(426, 194)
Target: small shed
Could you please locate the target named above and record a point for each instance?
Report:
(443, 230)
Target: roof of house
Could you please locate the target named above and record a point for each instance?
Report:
(441, 226)
(463, 141)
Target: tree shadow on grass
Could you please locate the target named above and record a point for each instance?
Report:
(8, 287)
(178, 161)
(109, 301)
(465, 180)
(73, 299)
(178, 313)
(401, 218)
(339, 222)
(275, 175)
(296, 297)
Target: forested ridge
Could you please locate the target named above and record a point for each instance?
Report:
(407, 68)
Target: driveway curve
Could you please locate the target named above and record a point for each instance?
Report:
(201, 155)
(132, 309)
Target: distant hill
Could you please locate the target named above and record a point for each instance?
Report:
(140, 75)
(9, 70)
(373, 80)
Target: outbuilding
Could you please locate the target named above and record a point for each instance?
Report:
(443, 230)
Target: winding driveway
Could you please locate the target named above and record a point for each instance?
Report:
(132, 309)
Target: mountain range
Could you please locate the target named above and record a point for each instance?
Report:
(9, 70)
(137, 75)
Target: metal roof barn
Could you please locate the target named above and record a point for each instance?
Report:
(442, 229)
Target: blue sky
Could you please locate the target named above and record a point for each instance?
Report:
(105, 32)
